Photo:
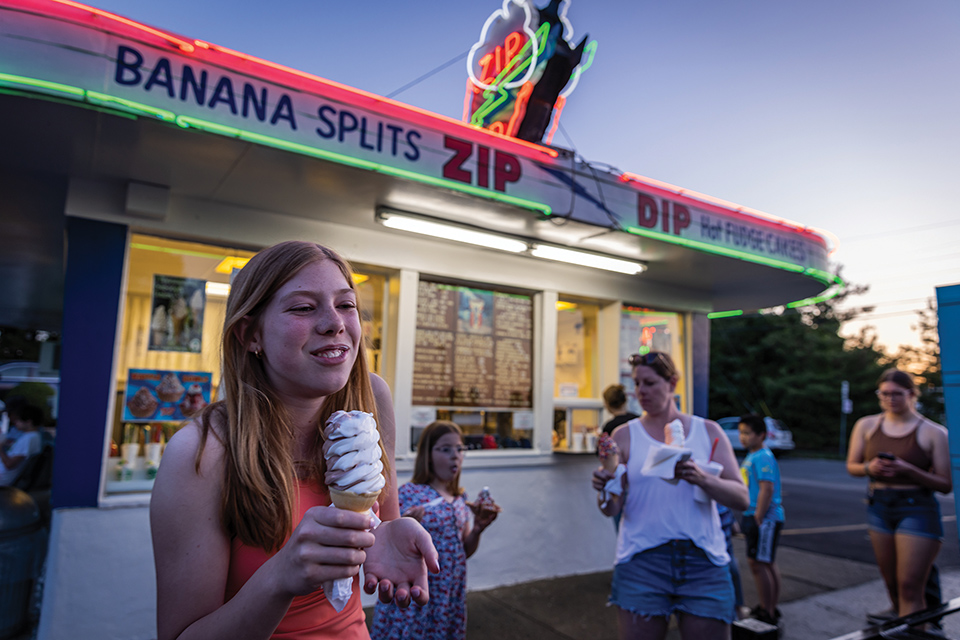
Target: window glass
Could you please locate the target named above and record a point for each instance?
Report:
(643, 330)
(473, 363)
(576, 363)
(169, 351)
(575, 429)
(371, 288)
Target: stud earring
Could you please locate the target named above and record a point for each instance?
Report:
(259, 354)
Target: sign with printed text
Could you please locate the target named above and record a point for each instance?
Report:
(206, 89)
(474, 347)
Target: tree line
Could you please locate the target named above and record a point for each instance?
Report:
(790, 364)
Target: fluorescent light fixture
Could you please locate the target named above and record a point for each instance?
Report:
(451, 232)
(585, 259)
(217, 289)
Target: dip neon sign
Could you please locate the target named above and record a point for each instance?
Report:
(523, 68)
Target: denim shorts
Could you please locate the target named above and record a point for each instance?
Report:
(676, 577)
(912, 511)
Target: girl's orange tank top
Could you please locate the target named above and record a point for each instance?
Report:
(309, 617)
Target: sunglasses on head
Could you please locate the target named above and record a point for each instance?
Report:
(647, 359)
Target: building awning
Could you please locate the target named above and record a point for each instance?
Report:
(101, 99)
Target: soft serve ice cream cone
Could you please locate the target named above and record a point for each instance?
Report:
(609, 452)
(673, 434)
(354, 476)
(352, 452)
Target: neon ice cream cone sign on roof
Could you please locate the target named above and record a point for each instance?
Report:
(523, 68)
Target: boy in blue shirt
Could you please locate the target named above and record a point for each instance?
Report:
(763, 520)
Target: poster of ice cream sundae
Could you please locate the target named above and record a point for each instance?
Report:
(155, 395)
(176, 322)
(475, 312)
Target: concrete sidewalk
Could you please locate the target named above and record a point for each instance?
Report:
(823, 597)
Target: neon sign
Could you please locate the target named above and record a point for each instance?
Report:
(520, 77)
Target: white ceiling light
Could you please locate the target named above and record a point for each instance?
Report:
(460, 233)
(451, 232)
(587, 259)
(217, 289)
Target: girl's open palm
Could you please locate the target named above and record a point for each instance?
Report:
(397, 563)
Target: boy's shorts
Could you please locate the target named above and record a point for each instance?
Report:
(762, 539)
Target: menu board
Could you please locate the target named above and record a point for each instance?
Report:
(474, 348)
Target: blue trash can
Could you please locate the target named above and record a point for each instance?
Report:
(21, 554)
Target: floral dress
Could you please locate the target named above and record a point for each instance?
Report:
(445, 615)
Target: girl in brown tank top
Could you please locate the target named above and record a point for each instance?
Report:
(904, 472)
(904, 447)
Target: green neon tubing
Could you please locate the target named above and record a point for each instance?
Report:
(103, 99)
(8, 79)
(185, 121)
(129, 106)
(724, 314)
(123, 104)
(494, 101)
(806, 302)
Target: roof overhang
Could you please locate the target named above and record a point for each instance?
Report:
(105, 100)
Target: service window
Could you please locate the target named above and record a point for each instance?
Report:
(577, 405)
(169, 352)
(643, 330)
(575, 373)
(473, 364)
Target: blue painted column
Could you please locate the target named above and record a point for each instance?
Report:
(700, 344)
(91, 302)
(948, 324)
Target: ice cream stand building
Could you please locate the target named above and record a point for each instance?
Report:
(503, 282)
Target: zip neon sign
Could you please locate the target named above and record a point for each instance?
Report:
(522, 70)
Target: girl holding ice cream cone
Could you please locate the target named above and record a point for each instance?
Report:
(243, 534)
(665, 526)
(435, 498)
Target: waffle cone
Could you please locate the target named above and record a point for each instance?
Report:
(350, 501)
(610, 462)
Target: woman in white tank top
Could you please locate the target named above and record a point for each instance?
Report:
(671, 552)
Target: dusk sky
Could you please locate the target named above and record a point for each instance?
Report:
(838, 114)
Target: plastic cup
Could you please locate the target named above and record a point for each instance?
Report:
(154, 451)
(714, 469)
(130, 452)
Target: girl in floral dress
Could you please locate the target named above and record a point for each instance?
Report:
(435, 498)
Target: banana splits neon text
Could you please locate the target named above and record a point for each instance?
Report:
(223, 98)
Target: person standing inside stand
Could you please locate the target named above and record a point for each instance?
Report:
(671, 551)
(907, 458)
(615, 402)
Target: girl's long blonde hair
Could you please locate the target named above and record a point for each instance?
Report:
(259, 482)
